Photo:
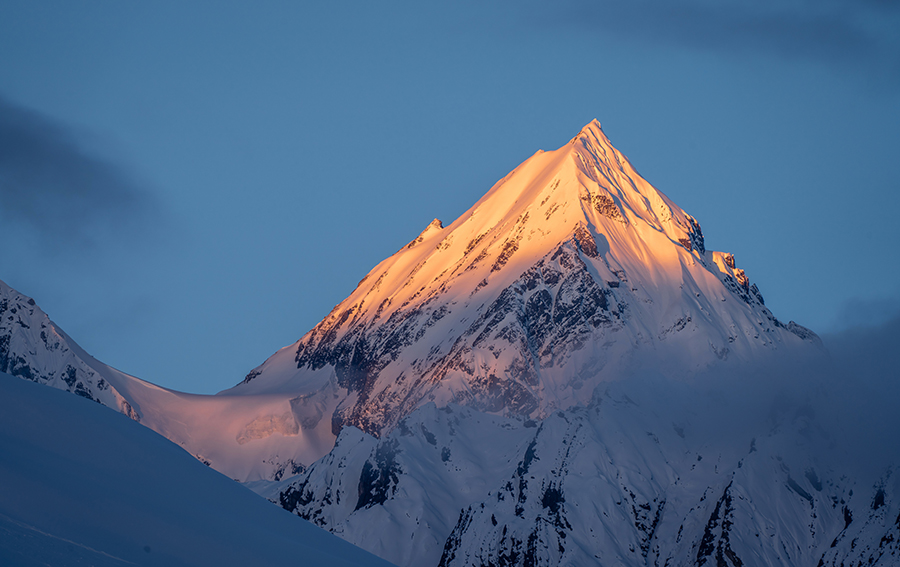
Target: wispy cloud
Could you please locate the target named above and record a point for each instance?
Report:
(857, 35)
(55, 189)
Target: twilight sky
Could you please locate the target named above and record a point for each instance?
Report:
(187, 187)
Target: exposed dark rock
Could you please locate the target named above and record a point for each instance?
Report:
(878, 500)
(585, 240)
(509, 248)
(434, 224)
(696, 236)
(287, 469)
(455, 539)
(797, 489)
(380, 476)
(69, 377)
(729, 260)
(605, 205)
(473, 243)
(716, 541)
(251, 375)
(552, 499)
(294, 498)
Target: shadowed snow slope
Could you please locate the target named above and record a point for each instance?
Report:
(83, 485)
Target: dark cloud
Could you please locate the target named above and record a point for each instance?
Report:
(841, 398)
(863, 312)
(859, 36)
(862, 392)
(868, 355)
(51, 186)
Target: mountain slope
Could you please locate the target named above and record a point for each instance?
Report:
(84, 486)
(648, 473)
(564, 274)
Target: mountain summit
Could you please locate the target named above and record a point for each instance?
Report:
(566, 273)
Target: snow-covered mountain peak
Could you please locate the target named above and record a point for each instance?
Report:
(592, 136)
(587, 181)
(592, 132)
(567, 271)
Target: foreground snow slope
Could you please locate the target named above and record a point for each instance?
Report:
(83, 485)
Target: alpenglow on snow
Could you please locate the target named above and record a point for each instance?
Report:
(564, 274)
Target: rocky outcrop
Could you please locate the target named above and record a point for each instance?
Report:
(33, 348)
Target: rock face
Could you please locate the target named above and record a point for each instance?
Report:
(567, 271)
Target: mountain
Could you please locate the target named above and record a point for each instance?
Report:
(569, 271)
(85, 486)
(564, 375)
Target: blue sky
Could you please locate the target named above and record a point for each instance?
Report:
(187, 187)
